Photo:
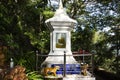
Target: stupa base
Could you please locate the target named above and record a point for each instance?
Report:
(58, 58)
(70, 77)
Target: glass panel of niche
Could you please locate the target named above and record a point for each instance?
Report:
(60, 40)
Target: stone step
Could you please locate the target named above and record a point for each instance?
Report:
(71, 77)
(78, 78)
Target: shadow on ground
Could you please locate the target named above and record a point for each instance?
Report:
(103, 75)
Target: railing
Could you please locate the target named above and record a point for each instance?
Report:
(64, 57)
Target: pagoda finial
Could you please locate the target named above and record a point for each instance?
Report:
(60, 4)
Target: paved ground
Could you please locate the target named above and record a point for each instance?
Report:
(99, 78)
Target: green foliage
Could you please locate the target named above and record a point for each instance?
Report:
(40, 40)
(48, 14)
(77, 10)
(18, 19)
(109, 66)
(82, 39)
(25, 59)
(34, 76)
(89, 35)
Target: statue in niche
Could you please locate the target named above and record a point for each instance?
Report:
(60, 40)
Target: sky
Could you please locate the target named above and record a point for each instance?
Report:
(53, 3)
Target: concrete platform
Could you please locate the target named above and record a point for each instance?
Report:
(79, 78)
(70, 77)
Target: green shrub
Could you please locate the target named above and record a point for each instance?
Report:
(34, 75)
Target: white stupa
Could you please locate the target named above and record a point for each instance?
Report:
(60, 26)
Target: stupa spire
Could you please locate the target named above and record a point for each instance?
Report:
(60, 4)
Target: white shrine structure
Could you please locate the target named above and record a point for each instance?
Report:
(60, 26)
